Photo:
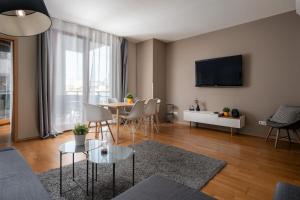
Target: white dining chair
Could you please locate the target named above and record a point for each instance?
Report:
(150, 113)
(98, 115)
(135, 117)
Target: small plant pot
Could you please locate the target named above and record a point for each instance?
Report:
(79, 140)
(226, 114)
(129, 100)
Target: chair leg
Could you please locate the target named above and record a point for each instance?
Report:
(132, 131)
(277, 135)
(296, 133)
(269, 133)
(100, 124)
(155, 124)
(96, 130)
(110, 131)
(152, 123)
(289, 137)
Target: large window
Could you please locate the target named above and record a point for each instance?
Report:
(84, 65)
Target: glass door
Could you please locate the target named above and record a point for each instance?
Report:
(6, 89)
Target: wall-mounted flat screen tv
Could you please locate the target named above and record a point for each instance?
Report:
(225, 71)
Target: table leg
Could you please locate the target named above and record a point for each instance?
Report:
(114, 177)
(60, 173)
(96, 173)
(87, 176)
(231, 131)
(118, 125)
(133, 169)
(73, 167)
(93, 180)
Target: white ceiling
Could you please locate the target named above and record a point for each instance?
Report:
(167, 20)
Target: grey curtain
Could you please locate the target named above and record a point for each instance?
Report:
(124, 67)
(44, 110)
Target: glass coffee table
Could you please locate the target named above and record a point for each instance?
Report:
(72, 148)
(114, 155)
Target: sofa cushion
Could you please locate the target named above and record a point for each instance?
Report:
(286, 114)
(17, 181)
(285, 191)
(159, 188)
(7, 149)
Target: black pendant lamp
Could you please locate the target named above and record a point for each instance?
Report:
(23, 17)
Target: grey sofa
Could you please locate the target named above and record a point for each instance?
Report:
(159, 188)
(286, 191)
(17, 181)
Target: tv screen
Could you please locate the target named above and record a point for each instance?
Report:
(225, 71)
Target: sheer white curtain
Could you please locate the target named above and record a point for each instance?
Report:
(85, 67)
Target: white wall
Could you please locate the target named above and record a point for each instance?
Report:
(144, 64)
(132, 68)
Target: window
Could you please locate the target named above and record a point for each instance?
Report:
(99, 78)
(83, 75)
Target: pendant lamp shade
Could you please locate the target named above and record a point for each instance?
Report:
(23, 17)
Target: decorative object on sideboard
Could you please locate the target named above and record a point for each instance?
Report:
(197, 104)
(80, 131)
(191, 108)
(226, 111)
(24, 18)
(235, 113)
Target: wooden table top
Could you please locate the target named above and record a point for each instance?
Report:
(117, 105)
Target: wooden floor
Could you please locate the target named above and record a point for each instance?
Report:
(5, 135)
(252, 171)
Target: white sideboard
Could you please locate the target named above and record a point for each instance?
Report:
(208, 117)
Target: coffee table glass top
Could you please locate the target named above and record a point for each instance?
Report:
(114, 154)
(71, 147)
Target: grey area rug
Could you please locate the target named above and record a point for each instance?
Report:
(190, 169)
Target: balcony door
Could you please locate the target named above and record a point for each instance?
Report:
(6, 90)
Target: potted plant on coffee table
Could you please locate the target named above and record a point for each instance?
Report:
(80, 131)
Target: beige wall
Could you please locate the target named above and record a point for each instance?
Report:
(271, 49)
(132, 68)
(144, 62)
(159, 73)
(27, 102)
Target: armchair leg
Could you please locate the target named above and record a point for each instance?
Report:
(289, 137)
(269, 133)
(110, 131)
(277, 135)
(296, 133)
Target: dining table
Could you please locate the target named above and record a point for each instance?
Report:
(117, 106)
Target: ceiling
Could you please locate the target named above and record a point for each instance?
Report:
(167, 20)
